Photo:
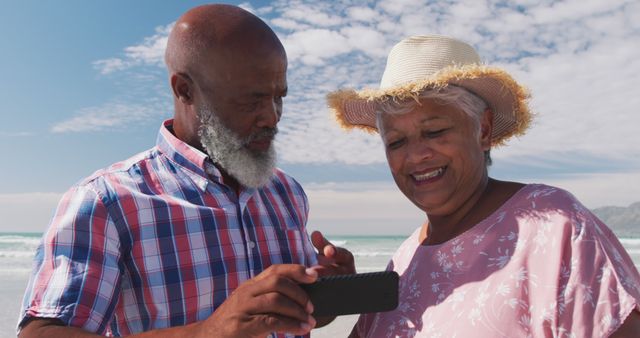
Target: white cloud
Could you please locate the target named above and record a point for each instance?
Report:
(317, 13)
(289, 24)
(247, 6)
(108, 66)
(572, 10)
(148, 53)
(313, 46)
(364, 14)
(15, 133)
(367, 40)
(256, 11)
(578, 58)
(109, 116)
(399, 7)
(578, 64)
(565, 52)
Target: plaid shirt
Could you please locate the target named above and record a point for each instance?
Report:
(158, 241)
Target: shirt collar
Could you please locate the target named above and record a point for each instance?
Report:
(194, 160)
(185, 155)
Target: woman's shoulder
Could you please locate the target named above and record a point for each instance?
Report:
(404, 253)
(542, 195)
(553, 210)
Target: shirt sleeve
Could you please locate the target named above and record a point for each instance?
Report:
(76, 267)
(602, 285)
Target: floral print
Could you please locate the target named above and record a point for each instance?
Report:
(542, 265)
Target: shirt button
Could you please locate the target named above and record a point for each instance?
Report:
(252, 244)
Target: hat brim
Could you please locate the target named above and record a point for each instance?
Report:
(507, 99)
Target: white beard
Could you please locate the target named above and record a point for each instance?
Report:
(250, 168)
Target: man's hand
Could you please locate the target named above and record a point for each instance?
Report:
(332, 260)
(271, 302)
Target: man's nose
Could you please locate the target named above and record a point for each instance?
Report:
(270, 114)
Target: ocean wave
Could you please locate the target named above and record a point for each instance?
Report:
(338, 243)
(17, 254)
(372, 253)
(16, 239)
(14, 271)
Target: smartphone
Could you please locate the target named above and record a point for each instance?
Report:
(356, 293)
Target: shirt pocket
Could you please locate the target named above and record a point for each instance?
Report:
(285, 246)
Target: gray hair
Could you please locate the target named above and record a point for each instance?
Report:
(460, 97)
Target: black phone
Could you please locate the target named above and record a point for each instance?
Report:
(356, 293)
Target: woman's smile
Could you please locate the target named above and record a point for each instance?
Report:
(428, 176)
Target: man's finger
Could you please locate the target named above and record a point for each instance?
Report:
(342, 256)
(322, 260)
(284, 280)
(320, 242)
(283, 324)
(278, 304)
(295, 272)
(328, 270)
(330, 250)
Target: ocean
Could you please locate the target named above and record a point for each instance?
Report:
(371, 253)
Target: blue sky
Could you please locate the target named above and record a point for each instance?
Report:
(84, 86)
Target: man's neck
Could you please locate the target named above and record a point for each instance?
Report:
(229, 180)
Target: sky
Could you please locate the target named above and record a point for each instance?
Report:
(84, 86)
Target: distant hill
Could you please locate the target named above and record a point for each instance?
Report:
(624, 221)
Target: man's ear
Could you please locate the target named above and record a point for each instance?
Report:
(486, 129)
(182, 87)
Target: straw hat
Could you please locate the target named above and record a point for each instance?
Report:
(432, 61)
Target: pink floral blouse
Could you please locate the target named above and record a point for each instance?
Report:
(542, 265)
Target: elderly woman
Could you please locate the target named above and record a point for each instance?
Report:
(493, 258)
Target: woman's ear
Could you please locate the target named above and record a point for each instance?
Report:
(486, 129)
(182, 87)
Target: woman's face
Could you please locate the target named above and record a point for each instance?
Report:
(436, 154)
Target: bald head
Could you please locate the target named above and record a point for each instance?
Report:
(217, 31)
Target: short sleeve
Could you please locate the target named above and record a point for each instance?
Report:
(76, 267)
(602, 286)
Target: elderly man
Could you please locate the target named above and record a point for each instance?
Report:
(200, 236)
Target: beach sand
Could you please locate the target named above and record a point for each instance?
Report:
(11, 290)
(340, 327)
